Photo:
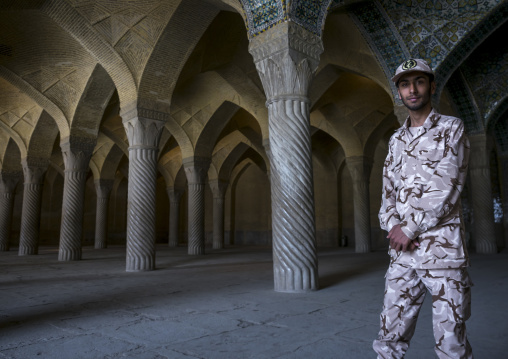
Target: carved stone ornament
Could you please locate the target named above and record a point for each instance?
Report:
(103, 187)
(34, 169)
(9, 181)
(77, 152)
(359, 168)
(196, 169)
(218, 188)
(144, 132)
(286, 58)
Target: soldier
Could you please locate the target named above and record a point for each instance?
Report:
(423, 175)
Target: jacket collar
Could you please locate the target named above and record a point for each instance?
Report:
(431, 120)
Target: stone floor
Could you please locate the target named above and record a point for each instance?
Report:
(221, 305)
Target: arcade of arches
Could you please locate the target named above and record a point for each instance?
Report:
(213, 123)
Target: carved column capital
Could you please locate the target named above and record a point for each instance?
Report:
(103, 187)
(479, 158)
(9, 180)
(174, 194)
(34, 169)
(218, 187)
(144, 132)
(196, 169)
(286, 58)
(359, 168)
(77, 152)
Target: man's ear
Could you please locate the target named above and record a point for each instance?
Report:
(433, 87)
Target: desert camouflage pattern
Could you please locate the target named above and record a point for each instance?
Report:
(405, 291)
(422, 179)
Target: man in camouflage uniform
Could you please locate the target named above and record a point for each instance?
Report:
(423, 175)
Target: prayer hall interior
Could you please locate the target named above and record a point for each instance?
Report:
(140, 137)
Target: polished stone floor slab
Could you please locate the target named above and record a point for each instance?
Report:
(219, 305)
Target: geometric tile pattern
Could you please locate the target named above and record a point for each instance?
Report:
(464, 103)
(501, 133)
(309, 14)
(431, 29)
(486, 72)
(263, 14)
(470, 41)
(375, 26)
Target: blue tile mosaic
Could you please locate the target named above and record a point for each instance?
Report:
(384, 41)
(431, 29)
(464, 103)
(263, 14)
(486, 72)
(501, 131)
(309, 14)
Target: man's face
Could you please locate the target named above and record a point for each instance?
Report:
(415, 90)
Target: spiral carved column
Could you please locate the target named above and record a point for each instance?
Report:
(76, 154)
(174, 215)
(144, 135)
(8, 182)
(33, 172)
(196, 170)
(359, 168)
(103, 189)
(483, 213)
(219, 190)
(504, 190)
(286, 58)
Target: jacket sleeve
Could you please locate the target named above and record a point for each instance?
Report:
(388, 215)
(441, 193)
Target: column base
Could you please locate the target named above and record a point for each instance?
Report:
(293, 282)
(140, 264)
(27, 251)
(67, 256)
(196, 251)
(485, 247)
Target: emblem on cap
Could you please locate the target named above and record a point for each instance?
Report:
(409, 64)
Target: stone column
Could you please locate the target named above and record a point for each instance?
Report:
(219, 191)
(76, 155)
(503, 160)
(359, 168)
(144, 136)
(174, 215)
(196, 170)
(33, 172)
(286, 58)
(484, 234)
(103, 189)
(8, 182)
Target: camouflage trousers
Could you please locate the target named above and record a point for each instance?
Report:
(405, 291)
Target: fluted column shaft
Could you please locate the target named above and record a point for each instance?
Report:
(76, 154)
(219, 190)
(33, 172)
(8, 184)
(144, 135)
(286, 58)
(483, 213)
(174, 215)
(196, 171)
(103, 189)
(359, 168)
(504, 191)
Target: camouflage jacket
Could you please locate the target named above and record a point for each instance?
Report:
(423, 176)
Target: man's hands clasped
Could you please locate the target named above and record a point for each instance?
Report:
(399, 241)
